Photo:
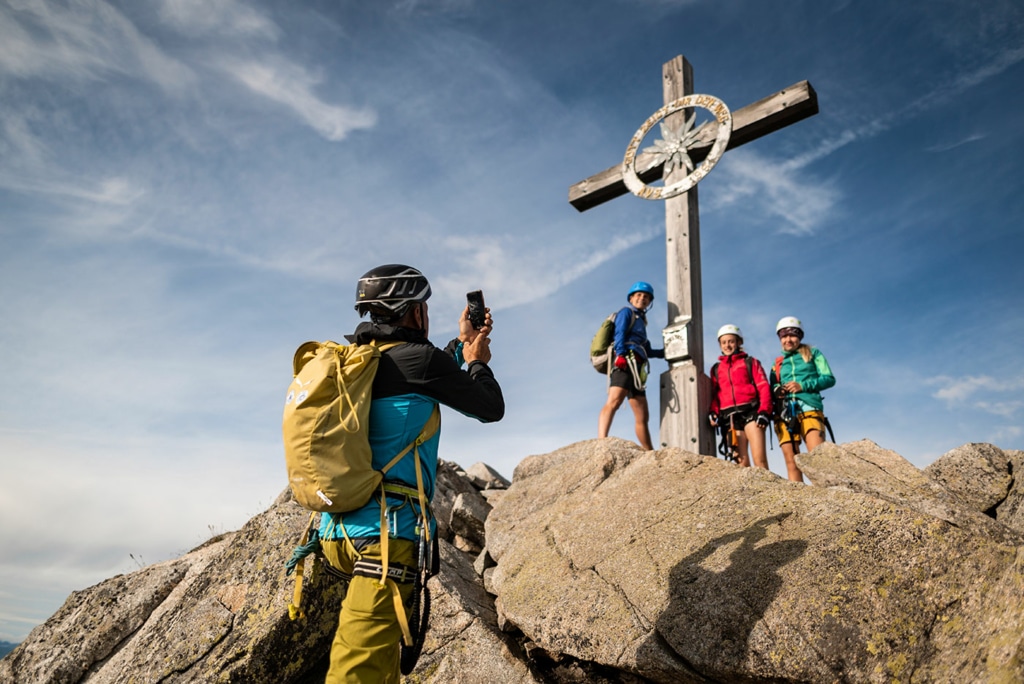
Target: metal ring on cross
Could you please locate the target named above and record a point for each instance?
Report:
(708, 102)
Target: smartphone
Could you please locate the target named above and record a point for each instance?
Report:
(475, 300)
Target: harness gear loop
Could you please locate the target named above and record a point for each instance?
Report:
(639, 372)
(734, 440)
(729, 443)
(420, 609)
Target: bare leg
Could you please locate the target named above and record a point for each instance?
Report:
(741, 449)
(755, 437)
(616, 395)
(641, 414)
(813, 439)
(789, 451)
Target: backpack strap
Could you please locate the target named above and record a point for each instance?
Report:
(298, 563)
(428, 431)
(750, 368)
(431, 426)
(632, 321)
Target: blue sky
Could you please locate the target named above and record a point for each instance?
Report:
(190, 188)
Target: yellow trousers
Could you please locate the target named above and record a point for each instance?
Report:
(366, 644)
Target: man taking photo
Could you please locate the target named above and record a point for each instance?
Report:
(413, 378)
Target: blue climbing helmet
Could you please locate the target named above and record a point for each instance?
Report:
(640, 286)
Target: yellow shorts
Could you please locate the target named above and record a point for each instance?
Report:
(809, 420)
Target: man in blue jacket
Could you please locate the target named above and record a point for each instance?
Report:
(412, 379)
(628, 378)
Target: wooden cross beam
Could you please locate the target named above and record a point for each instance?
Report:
(685, 389)
(792, 104)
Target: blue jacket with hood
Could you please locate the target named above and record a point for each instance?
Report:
(631, 334)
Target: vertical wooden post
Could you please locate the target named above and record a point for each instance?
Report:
(685, 389)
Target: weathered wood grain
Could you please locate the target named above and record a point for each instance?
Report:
(786, 107)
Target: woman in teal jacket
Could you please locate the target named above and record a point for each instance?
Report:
(798, 378)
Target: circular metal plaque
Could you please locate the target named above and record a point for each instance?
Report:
(677, 147)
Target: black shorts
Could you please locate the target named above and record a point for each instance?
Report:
(624, 379)
(741, 415)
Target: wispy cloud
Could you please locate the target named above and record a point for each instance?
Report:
(619, 243)
(776, 190)
(413, 6)
(994, 399)
(112, 191)
(29, 166)
(82, 41)
(291, 85)
(518, 271)
(1009, 433)
(269, 75)
(18, 143)
(228, 18)
(934, 98)
(946, 147)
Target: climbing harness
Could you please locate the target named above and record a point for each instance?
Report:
(638, 371)
(419, 612)
(728, 447)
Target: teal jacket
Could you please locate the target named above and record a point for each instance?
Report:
(814, 377)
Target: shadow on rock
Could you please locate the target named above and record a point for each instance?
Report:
(718, 597)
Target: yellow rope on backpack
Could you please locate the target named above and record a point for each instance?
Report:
(344, 394)
(295, 611)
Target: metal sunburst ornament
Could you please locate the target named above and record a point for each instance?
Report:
(670, 149)
(673, 147)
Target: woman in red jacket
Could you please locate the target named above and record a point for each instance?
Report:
(741, 398)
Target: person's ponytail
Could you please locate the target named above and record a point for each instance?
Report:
(805, 351)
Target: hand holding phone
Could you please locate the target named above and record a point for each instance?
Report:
(477, 311)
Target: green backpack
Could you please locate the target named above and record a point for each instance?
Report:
(601, 351)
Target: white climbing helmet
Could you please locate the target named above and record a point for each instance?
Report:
(729, 329)
(790, 322)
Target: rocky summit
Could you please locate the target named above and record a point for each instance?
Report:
(601, 562)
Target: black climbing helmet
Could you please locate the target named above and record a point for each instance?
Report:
(387, 292)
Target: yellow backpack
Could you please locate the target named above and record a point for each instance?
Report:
(325, 426)
(327, 448)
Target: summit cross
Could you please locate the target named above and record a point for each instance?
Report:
(685, 388)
